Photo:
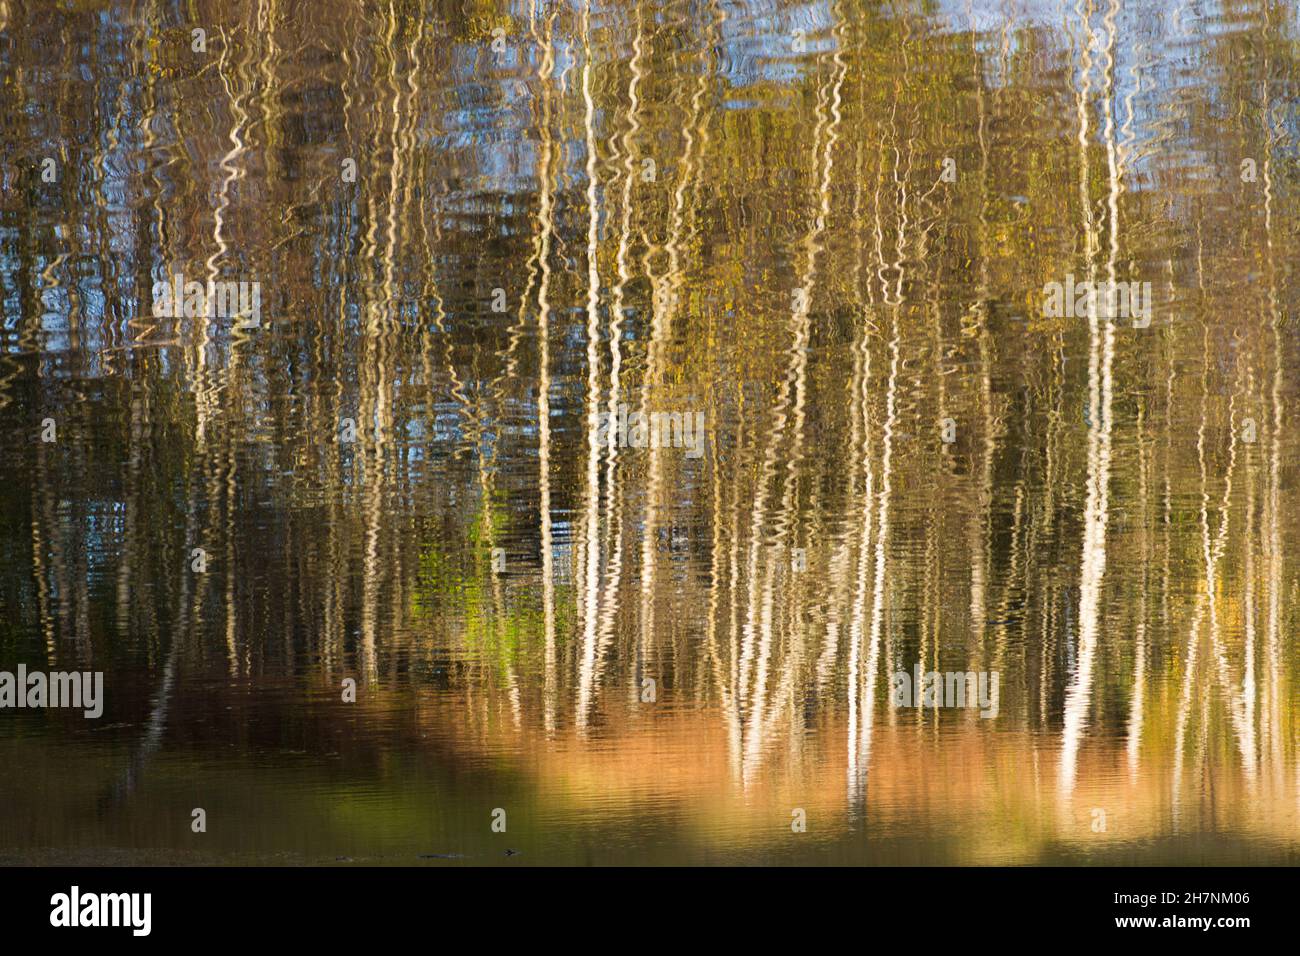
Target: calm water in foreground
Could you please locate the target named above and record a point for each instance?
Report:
(821, 234)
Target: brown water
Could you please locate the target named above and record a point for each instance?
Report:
(825, 228)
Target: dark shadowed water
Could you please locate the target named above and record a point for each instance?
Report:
(631, 402)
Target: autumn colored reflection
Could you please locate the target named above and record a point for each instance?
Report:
(633, 393)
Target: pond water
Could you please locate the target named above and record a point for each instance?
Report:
(627, 407)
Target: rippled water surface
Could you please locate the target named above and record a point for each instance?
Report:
(823, 236)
